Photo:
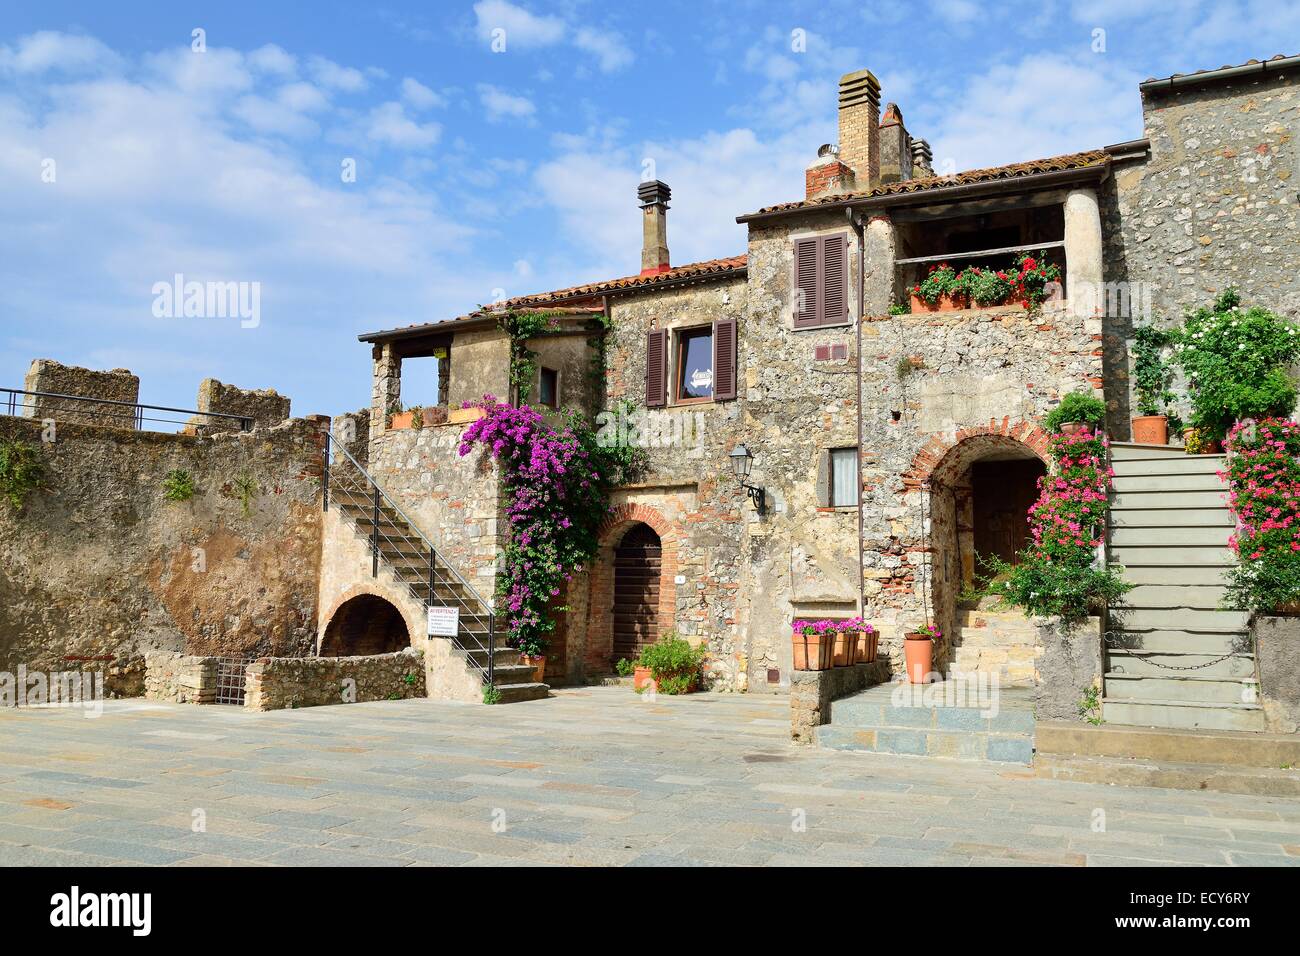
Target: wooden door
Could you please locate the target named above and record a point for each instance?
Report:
(636, 592)
(1003, 493)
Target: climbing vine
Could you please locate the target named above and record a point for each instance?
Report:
(520, 327)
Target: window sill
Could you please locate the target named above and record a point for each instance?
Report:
(822, 328)
(831, 509)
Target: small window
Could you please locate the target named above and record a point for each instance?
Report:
(694, 378)
(843, 477)
(548, 390)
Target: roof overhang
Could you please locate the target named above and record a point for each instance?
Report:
(474, 322)
(1178, 80)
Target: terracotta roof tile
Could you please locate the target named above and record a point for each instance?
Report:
(1226, 66)
(1095, 157)
(710, 267)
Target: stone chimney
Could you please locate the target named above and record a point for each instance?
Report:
(922, 159)
(654, 198)
(826, 175)
(860, 127)
(895, 146)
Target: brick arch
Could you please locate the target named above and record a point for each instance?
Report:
(940, 457)
(373, 588)
(600, 622)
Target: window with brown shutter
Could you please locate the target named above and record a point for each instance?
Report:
(656, 368)
(821, 281)
(724, 359)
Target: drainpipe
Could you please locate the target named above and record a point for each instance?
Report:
(862, 555)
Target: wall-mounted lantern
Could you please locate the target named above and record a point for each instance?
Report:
(741, 462)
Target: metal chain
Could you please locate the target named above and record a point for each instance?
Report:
(1169, 667)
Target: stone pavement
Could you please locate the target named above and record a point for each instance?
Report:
(591, 776)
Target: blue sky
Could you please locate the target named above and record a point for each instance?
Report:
(481, 173)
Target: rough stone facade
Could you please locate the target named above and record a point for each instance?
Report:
(181, 678)
(277, 683)
(266, 407)
(99, 564)
(1277, 649)
(116, 385)
(812, 694)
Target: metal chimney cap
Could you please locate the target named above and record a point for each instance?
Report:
(653, 192)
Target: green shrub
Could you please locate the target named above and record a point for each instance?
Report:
(178, 485)
(21, 471)
(1263, 479)
(246, 490)
(491, 695)
(624, 667)
(1076, 407)
(674, 663)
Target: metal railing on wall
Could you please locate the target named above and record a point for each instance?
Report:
(85, 410)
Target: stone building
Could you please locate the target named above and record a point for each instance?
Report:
(890, 448)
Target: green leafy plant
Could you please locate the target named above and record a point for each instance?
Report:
(417, 418)
(491, 695)
(1033, 278)
(988, 286)
(520, 327)
(409, 679)
(21, 471)
(1090, 705)
(898, 309)
(1076, 407)
(904, 367)
(178, 485)
(941, 280)
(1152, 375)
(624, 667)
(246, 490)
(929, 630)
(1236, 363)
(674, 664)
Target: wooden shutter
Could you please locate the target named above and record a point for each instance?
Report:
(724, 359)
(656, 368)
(823, 478)
(806, 286)
(834, 281)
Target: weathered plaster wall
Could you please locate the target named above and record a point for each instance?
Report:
(480, 365)
(99, 564)
(1278, 652)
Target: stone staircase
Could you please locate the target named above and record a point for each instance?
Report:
(997, 640)
(1173, 658)
(934, 720)
(431, 581)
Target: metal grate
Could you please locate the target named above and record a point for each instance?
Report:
(230, 679)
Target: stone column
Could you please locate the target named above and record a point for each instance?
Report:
(386, 387)
(878, 291)
(1083, 253)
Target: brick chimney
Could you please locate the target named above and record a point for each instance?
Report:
(826, 175)
(654, 198)
(860, 127)
(895, 146)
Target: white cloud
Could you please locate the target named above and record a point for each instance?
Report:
(48, 50)
(389, 124)
(607, 47)
(419, 96)
(501, 105)
(335, 77)
(957, 11)
(211, 74)
(273, 59)
(522, 28)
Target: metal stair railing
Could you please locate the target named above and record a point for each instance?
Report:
(408, 541)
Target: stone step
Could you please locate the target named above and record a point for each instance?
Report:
(1207, 596)
(996, 637)
(1158, 664)
(871, 714)
(1124, 451)
(1195, 536)
(1178, 619)
(479, 656)
(1166, 483)
(1185, 687)
(1171, 517)
(993, 618)
(1182, 714)
(1181, 642)
(1212, 576)
(515, 693)
(922, 742)
(1215, 747)
(508, 675)
(1143, 500)
(1185, 465)
(1130, 772)
(1172, 556)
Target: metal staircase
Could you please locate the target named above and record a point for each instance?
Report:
(1173, 657)
(396, 542)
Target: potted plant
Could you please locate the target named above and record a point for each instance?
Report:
(532, 653)
(844, 644)
(813, 645)
(1151, 379)
(939, 291)
(918, 652)
(863, 640)
(1076, 411)
(675, 667)
(398, 419)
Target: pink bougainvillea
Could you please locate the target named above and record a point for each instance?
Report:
(1263, 477)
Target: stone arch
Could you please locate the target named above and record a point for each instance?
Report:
(364, 624)
(982, 439)
(600, 627)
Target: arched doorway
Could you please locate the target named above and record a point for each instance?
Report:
(366, 624)
(637, 560)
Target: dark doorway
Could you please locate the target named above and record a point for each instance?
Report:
(365, 625)
(1003, 492)
(636, 591)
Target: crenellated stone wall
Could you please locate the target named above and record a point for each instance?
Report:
(115, 385)
(266, 407)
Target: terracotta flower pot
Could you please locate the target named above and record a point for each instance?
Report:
(402, 420)
(845, 641)
(918, 652)
(945, 303)
(812, 652)
(1072, 428)
(1210, 446)
(641, 676)
(1151, 430)
(538, 663)
(871, 646)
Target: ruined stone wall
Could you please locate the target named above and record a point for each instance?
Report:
(116, 385)
(276, 683)
(1216, 205)
(266, 407)
(181, 678)
(100, 564)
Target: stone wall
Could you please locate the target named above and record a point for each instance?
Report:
(116, 385)
(1215, 205)
(1071, 663)
(276, 683)
(1277, 648)
(812, 693)
(266, 407)
(99, 564)
(181, 678)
